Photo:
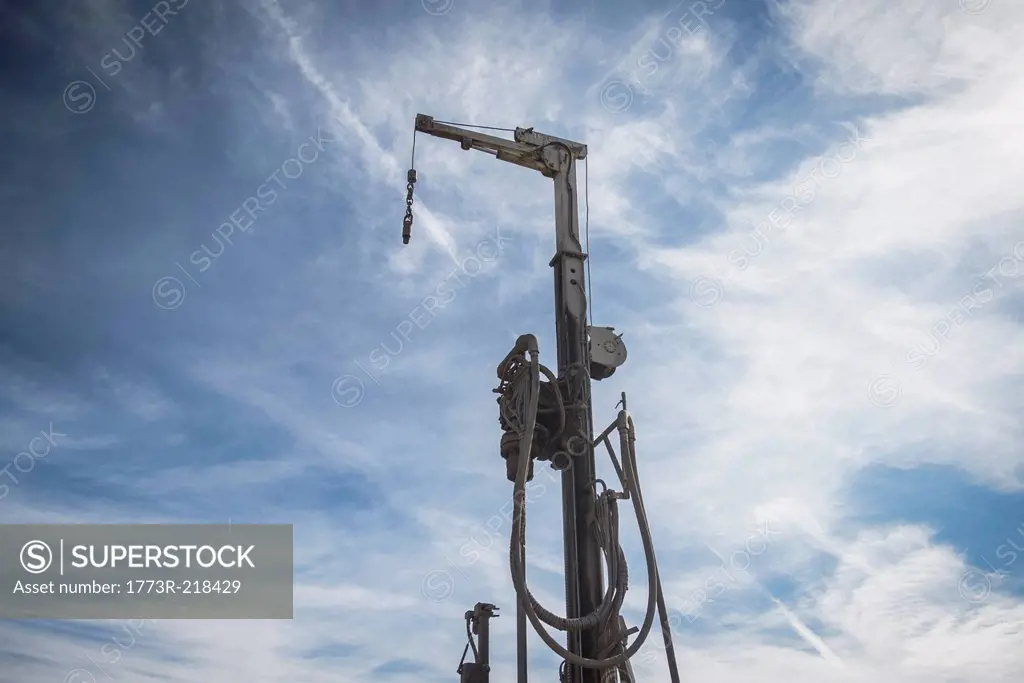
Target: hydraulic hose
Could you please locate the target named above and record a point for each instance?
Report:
(627, 441)
(517, 542)
(607, 518)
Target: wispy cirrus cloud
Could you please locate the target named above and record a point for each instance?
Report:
(758, 406)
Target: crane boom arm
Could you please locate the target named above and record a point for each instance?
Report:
(523, 151)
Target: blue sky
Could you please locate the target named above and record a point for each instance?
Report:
(805, 218)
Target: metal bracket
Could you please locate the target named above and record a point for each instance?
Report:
(478, 624)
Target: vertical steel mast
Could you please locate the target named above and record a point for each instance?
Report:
(596, 634)
(584, 585)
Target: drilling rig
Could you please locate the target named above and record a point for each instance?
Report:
(547, 417)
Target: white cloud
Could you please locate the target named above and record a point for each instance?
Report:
(756, 406)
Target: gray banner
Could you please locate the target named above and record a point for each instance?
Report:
(146, 571)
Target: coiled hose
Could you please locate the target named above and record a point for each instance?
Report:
(606, 513)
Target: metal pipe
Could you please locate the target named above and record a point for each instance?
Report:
(521, 658)
(584, 579)
(629, 442)
(483, 624)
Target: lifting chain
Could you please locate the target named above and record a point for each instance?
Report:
(407, 223)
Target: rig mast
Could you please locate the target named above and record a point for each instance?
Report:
(552, 421)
